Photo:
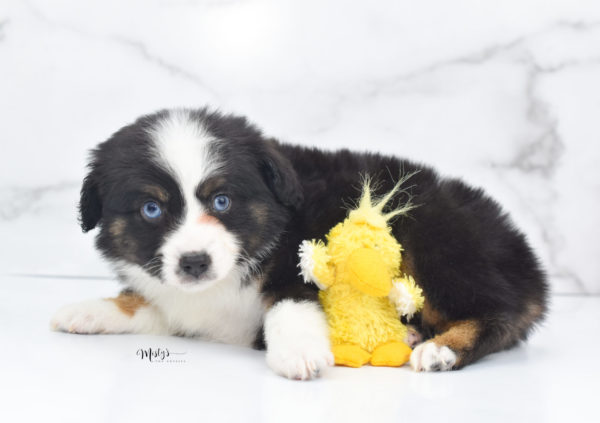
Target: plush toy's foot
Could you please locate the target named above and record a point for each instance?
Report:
(392, 354)
(350, 355)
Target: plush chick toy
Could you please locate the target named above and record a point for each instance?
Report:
(363, 290)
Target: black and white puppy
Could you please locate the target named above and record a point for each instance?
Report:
(202, 216)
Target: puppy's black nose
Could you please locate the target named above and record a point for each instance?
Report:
(194, 264)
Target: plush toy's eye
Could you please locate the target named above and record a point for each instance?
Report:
(221, 202)
(151, 210)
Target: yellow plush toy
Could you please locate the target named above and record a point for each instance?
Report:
(363, 290)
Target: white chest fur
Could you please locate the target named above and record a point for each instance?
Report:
(229, 311)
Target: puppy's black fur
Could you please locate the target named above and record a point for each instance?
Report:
(462, 249)
(476, 269)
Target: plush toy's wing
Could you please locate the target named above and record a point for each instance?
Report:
(314, 264)
(406, 296)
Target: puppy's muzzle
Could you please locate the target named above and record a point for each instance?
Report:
(195, 264)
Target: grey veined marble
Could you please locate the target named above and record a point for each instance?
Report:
(503, 94)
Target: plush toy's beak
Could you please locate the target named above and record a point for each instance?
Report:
(367, 272)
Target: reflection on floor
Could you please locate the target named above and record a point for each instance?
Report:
(62, 377)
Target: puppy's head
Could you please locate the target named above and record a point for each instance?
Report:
(188, 197)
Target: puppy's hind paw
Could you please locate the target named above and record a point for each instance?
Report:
(429, 357)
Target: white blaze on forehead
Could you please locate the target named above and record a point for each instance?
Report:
(187, 151)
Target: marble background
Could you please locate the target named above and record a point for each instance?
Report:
(503, 94)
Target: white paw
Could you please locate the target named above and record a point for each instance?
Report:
(297, 340)
(429, 357)
(93, 316)
(299, 362)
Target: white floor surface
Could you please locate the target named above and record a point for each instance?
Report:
(48, 376)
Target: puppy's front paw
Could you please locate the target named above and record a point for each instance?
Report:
(297, 340)
(88, 317)
(429, 357)
(299, 360)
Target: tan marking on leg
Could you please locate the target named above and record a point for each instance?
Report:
(432, 317)
(129, 302)
(459, 336)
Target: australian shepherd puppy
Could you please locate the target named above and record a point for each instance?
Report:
(201, 217)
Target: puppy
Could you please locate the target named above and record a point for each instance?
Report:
(201, 217)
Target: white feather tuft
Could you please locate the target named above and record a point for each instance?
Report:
(401, 298)
(307, 264)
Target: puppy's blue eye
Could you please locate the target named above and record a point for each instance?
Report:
(221, 202)
(151, 210)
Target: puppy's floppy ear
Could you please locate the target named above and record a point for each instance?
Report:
(280, 176)
(90, 205)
